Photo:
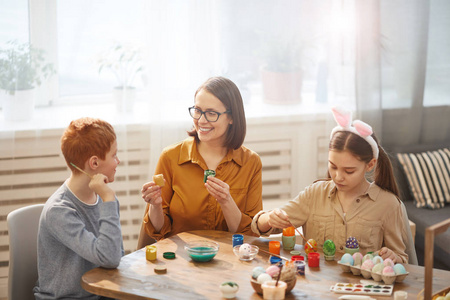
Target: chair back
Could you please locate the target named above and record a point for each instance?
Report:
(23, 224)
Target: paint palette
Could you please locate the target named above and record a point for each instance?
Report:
(363, 289)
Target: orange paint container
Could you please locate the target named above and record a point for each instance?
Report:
(274, 247)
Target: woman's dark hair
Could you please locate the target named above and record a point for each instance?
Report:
(360, 148)
(228, 93)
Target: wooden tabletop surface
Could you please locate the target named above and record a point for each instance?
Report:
(135, 277)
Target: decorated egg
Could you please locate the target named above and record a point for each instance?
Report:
(263, 278)
(273, 270)
(352, 243)
(378, 268)
(368, 256)
(399, 269)
(388, 262)
(357, 258)
(347, 259)
(245, 249)
(388, 271)
(257, 271)
(310, 246)
(329, 248)
(377, 259)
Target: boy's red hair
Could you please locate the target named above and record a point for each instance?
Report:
(84, 138)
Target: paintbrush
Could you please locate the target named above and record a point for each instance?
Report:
(81, 170)
(298, 231)
(273, 254)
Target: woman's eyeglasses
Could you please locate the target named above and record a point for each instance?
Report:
(210, 116)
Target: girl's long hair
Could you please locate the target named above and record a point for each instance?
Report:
(360, 148)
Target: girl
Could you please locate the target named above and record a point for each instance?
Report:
(347, 204)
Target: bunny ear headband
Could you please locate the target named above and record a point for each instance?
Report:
(344, 120)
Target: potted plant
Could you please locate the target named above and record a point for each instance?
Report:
(281, 71)
(22, 69)
(126, 63)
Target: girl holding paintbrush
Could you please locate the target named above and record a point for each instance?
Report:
(347, 204)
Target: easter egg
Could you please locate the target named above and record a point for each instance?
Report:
(263, 278)
(347, 259)
(357, 258)
(352, 243)
(257, 271)
(329, 248)
(273, 270)
(377, 259)
(244, 249)
(310, 246)
(399, 269)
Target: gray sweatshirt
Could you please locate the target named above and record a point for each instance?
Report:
(73, 238)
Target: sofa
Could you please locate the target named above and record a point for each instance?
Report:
(423, 217)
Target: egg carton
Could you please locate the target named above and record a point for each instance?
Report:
(387, 279)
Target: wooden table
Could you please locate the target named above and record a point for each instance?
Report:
(185, 279)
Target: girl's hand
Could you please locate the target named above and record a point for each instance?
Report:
(218, 189)
(278, 219)
(151, 193)
(388, 253)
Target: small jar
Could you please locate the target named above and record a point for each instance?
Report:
(150, 252)
(288, 238)
(238, 239)
(274, 247)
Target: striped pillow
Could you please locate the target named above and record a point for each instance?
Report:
(428, 175)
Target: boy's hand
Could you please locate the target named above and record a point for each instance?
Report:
(99, 185)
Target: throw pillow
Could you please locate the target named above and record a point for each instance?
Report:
(428, 175)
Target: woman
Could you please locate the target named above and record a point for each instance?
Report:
(347, 204)
(227, 201)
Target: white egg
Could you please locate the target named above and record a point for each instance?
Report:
(263, 278)
(245, 249)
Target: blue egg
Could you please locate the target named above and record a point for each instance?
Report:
(377, 259)
(399, 269)
(257, 271)
(347, 259)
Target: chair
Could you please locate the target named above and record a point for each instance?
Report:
(23, 224)
(409, 238)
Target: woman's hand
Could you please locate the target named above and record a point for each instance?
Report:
(218, 189)
(388, 253)
(278, 218)
(151, 193)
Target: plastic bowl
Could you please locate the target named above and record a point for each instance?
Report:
(247, 256)
(202, 250)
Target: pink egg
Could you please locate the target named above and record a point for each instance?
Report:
(388, 262)
(389, 271)
(272, 270)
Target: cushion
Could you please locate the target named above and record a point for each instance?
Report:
(428, 176)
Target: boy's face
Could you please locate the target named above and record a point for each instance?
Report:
(108, 166)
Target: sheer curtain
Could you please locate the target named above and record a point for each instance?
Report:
(403, 70)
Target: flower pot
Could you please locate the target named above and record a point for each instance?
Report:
(18, 106)
(282, 87)
(124, 97)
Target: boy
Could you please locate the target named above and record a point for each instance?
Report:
(79, 228)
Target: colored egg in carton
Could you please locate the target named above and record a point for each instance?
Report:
(374, 267)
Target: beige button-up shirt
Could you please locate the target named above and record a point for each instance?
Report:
(375, 218)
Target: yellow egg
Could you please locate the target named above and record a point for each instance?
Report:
(447, 297)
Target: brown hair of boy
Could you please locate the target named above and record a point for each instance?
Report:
(84, 138)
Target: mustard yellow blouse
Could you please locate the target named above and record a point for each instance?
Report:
(187, 205)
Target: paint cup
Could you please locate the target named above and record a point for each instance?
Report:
(313, 259)
(150, 252)
(238, 239)
(271, 291)
(274, 247)
(300, 267)
(274, 260)
(297, 257)
(400, 295)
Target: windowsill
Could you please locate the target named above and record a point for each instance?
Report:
(146, 112)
